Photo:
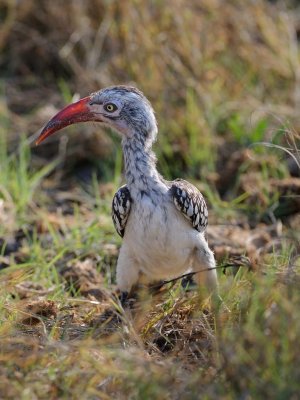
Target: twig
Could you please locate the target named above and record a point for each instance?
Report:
(190, 274)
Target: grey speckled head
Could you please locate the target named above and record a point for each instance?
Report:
(127, 110)
(123, 108)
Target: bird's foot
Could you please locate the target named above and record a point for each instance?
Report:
(188, 283)
(126, 299)
(123, 297)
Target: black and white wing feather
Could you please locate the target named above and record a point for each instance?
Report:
(121, 205)
(191, 203)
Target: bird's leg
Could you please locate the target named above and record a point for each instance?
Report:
(204, 262)
(207, 279)
(188, 282)
(126, 299)
(123, 297)
(127, 273)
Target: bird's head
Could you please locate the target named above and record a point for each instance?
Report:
(124, 109)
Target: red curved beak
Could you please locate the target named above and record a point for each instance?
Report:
(76, 112)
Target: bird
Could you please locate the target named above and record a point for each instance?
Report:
(162, 223)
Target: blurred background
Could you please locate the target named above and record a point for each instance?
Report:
(220, 74)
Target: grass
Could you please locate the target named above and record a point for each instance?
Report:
(244, 349)
(225, 104)
(55, 344)
(18, 181)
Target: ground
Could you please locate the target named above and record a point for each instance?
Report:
(64, 334)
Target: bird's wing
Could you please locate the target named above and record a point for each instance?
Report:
(190, 202)
(121, 205)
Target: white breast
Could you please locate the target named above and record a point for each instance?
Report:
(160, 239)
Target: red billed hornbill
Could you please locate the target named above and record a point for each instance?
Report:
(162, 223)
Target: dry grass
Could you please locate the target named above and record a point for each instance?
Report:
(239, 58)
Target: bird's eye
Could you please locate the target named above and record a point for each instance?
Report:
(110, 107)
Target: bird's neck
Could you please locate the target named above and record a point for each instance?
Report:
(140, 167)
